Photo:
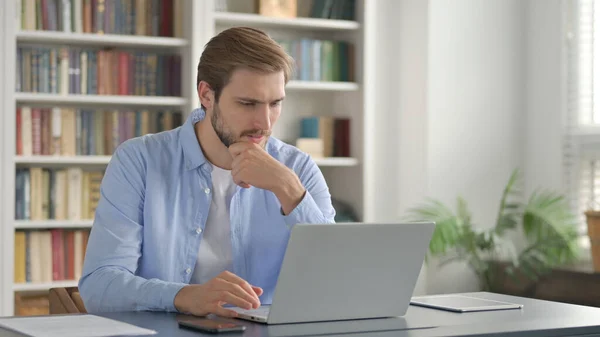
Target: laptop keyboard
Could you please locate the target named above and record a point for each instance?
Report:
(262, 311)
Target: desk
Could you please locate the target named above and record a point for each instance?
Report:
(537, 318)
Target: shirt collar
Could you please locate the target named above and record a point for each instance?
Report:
(194, 157)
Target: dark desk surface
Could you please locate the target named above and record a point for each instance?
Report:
(537, 318)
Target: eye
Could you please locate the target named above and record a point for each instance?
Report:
(276, 103)
(247, 103)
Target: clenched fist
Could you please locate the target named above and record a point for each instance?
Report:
(254, 166)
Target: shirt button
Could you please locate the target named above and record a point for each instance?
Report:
(207, 190)
(199, 230)
(189, 270)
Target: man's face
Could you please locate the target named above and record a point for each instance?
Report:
(249, 106)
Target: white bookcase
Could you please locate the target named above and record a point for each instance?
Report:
(345, 176)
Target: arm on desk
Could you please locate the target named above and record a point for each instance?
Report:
(109, 282)
(315, 206)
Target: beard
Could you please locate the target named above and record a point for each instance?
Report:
(217, 122)
(224, 133)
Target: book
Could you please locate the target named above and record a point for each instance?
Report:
(49, 255)
(122, 17)
(95, 71)
(86, 132)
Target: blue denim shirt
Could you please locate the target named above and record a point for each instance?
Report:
(155, 198)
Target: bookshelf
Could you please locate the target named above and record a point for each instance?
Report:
(62, 160)
(342, 98)
(45, 224)
(104, 160)
(43, 286)
(321, 86)
(85, 39)
(259, 21)
(88, 100)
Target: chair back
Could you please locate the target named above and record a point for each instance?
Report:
(65, 301)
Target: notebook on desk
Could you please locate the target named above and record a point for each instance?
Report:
(346, 271)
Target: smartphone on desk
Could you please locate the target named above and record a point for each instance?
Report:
(209, 325)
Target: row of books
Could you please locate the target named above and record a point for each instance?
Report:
(49, 255)
(333, 9)
(75, 132)
(324, 136)
(321, 60)
(56, 194)
(71, 70)
(132, 17)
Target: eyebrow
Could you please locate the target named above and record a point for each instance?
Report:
(252, 100)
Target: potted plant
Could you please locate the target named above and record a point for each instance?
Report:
(544, 219)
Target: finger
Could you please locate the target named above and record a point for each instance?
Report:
(228, 297)
(234, 279)
(238, 178)
(237, 290)
(220, 311)
(257, 290)
(237, 160)
(246, 294)
(237, 164)
(236, 148)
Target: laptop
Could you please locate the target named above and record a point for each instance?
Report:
(346, 271)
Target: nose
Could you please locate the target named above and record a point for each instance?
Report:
(263, 117)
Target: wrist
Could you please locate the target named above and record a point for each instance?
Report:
(290, 191)
(179, 302)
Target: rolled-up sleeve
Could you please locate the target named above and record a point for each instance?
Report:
(315, 207)
(109, 281)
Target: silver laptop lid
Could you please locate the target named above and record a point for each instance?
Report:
(349, 271)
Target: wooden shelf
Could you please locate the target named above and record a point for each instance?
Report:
(63, 160)
(87, 39)
(228, 18)
(336, 161)
(112, 100)
(104, 160)
(322, 86)
(43, 286)
(45, 224)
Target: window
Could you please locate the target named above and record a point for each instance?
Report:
(582, 136)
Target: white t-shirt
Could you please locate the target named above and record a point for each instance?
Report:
(214, 255)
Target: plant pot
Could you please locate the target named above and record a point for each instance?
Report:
(593, 226)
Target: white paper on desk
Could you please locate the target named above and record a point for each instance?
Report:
(72, 326)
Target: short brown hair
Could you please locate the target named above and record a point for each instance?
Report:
(240, 47)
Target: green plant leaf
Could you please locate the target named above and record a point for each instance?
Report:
(506, 222)
(545, 219)
(509, 211)
(548, 219)
(447, 230)
(462, 211)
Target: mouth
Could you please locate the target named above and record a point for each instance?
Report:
(255, 138)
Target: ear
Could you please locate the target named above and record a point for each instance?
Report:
(206, 95)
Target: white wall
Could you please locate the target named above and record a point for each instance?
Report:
(397, 150)
(411, 132)
(545, 94)
(475, 111)
(450, 106)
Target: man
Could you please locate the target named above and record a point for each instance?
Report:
(197, 219)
